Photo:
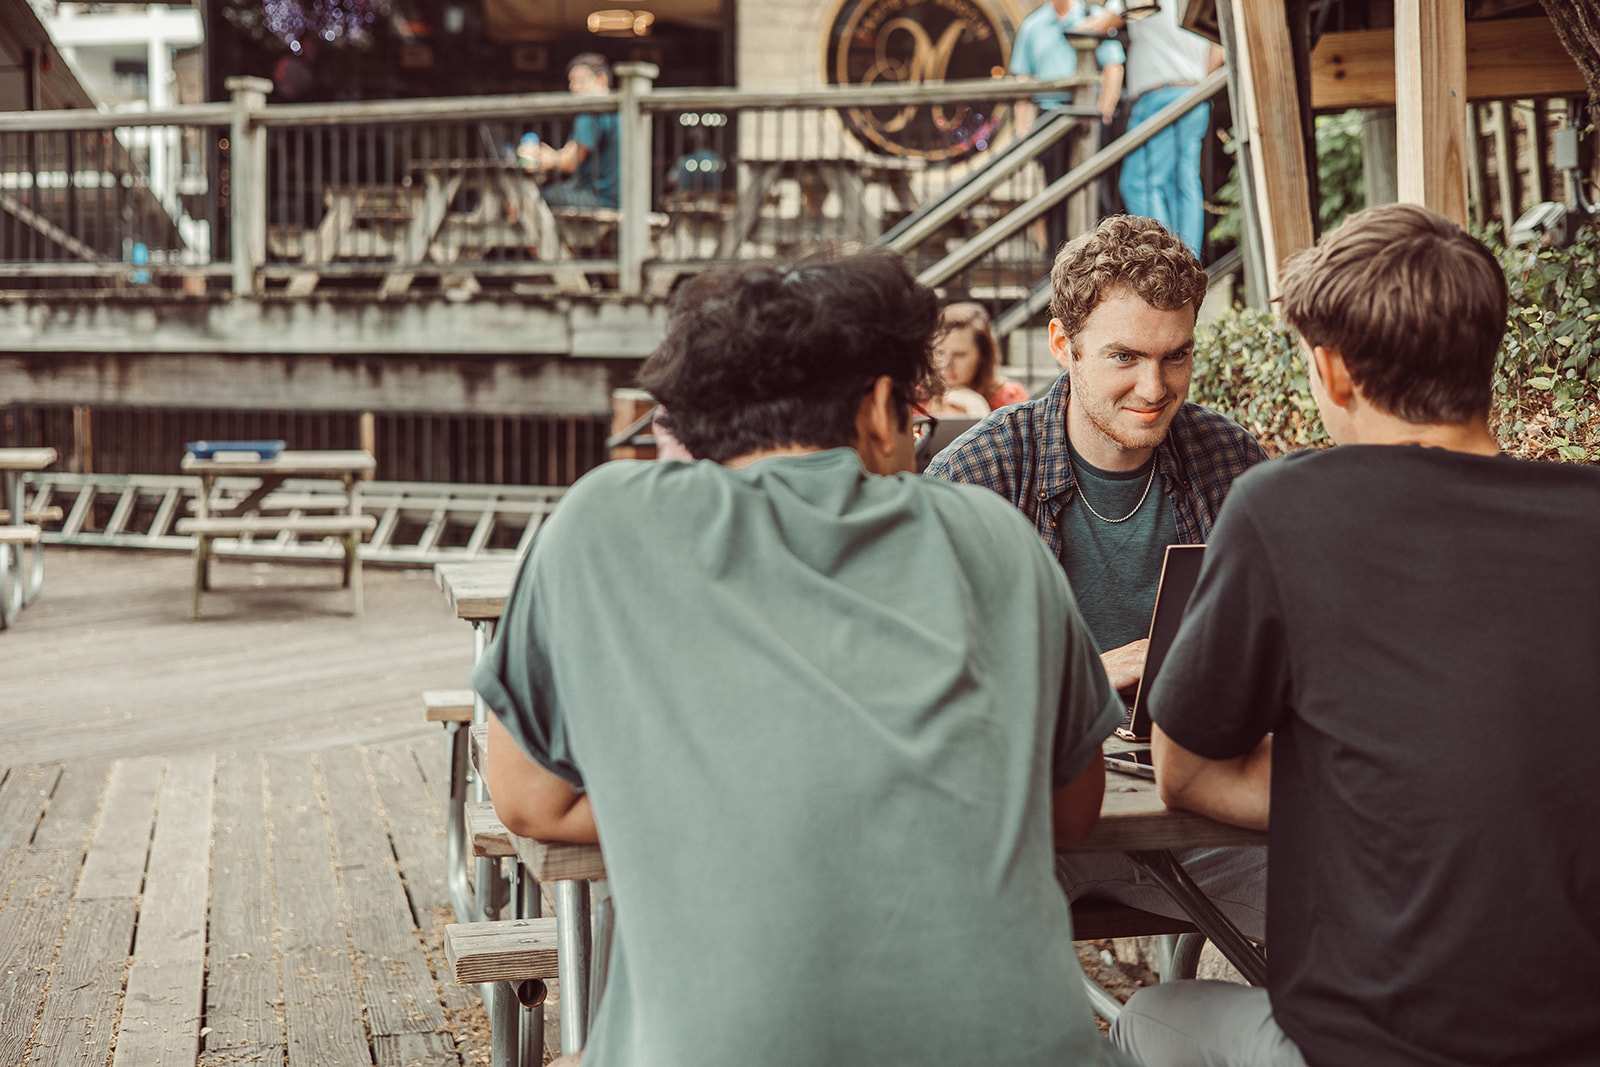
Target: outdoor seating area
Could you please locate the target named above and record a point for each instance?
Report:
(799, 534)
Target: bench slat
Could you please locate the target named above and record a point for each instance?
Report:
(488, 834)
(34, 516)
(511, 950)
(19, 535)
(259, 524)
(447, 705)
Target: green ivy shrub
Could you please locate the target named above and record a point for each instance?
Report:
(1547, 384)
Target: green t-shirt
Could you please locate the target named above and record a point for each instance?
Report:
(1115, 568)
(819, 714)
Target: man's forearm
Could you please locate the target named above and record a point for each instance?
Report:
(1236, 791)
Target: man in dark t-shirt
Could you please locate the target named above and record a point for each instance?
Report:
(1392, 649)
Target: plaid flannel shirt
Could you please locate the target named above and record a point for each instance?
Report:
(1021, 453)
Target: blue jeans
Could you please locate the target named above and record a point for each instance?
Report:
(1161, 179)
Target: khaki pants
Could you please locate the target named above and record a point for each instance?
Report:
(1203, 1024)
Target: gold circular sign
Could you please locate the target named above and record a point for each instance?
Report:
(911, 42)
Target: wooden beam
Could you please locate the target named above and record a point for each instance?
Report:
(1267, 82)
(1430, 48)
(1508, 58)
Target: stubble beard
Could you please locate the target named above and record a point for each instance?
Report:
(1129, 440)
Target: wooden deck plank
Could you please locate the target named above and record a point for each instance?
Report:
(103, 644)
(23, 796)
(242, 992)
(396, 985)
(74, 806)
(415, 810)
(416, 1050)
(80, 1011)
(165, 996)
(31, 922)
(416, 819)
(322, 1011)
(116, 860)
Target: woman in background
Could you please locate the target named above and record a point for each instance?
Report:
(966, 355)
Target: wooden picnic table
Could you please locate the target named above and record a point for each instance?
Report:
(846, 178)
(19, 589)
(1133, 819)
(349, 467)
(509, 213)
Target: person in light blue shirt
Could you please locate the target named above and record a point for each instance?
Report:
(1042, 51)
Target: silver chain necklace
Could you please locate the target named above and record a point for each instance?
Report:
(1148, 482)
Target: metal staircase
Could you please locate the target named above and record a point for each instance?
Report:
(419, 523)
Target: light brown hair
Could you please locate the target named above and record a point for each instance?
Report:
(1123, 252)
(968, 315)
(1414, 304)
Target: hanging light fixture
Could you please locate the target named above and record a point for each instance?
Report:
(620, 22)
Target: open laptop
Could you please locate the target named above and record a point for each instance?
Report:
(1179, 572)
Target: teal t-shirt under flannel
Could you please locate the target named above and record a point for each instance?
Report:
(1115, 567)
(819, 714)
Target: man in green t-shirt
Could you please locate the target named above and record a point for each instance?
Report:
(830, 761)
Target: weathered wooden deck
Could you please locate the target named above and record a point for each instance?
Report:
(223, 842)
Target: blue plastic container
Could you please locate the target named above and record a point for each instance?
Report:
(208, 449)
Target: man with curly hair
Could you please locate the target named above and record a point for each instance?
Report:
(830, 764)
(1111, 465)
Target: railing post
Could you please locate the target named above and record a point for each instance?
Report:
(634, 81)
(247, 167)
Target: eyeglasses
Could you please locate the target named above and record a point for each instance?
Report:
(922, 425)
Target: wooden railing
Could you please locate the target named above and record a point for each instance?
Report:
(252, 197)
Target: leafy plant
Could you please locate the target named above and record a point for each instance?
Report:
(1547, 381)
(1338, 177)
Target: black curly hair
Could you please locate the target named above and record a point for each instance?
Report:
(766, 357)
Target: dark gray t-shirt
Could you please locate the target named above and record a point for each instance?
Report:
(1420, 630)
(820, 714)
(1115, 567)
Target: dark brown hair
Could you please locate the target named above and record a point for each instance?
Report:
(764, 357)
(1414, 304)
(1123, 252)
(968, 315)
(593, 62)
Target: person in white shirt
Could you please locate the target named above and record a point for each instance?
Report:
(1161, 179)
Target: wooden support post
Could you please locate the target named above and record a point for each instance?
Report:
(1430, 57)
(1264, 56)
(1255, 268)
(1538, 141)
(367, 433)
(1378, 160)
(1477, 168)
(247, 168)
(628, 406)
(82, 439)
(633, 229)
(1505, 164)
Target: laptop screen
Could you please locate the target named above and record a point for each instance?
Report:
(1179, 572)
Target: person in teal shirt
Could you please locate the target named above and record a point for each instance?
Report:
(1041, 51)
(830, 764)
(590, 157)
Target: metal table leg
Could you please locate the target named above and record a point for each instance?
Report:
(605, 922)
(572, 962)
(1238, 949)
(492, 893)
(526, 902)
(10, 586)
(461, 901)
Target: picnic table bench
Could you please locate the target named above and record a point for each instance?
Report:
(241, 518)
(20, 531)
